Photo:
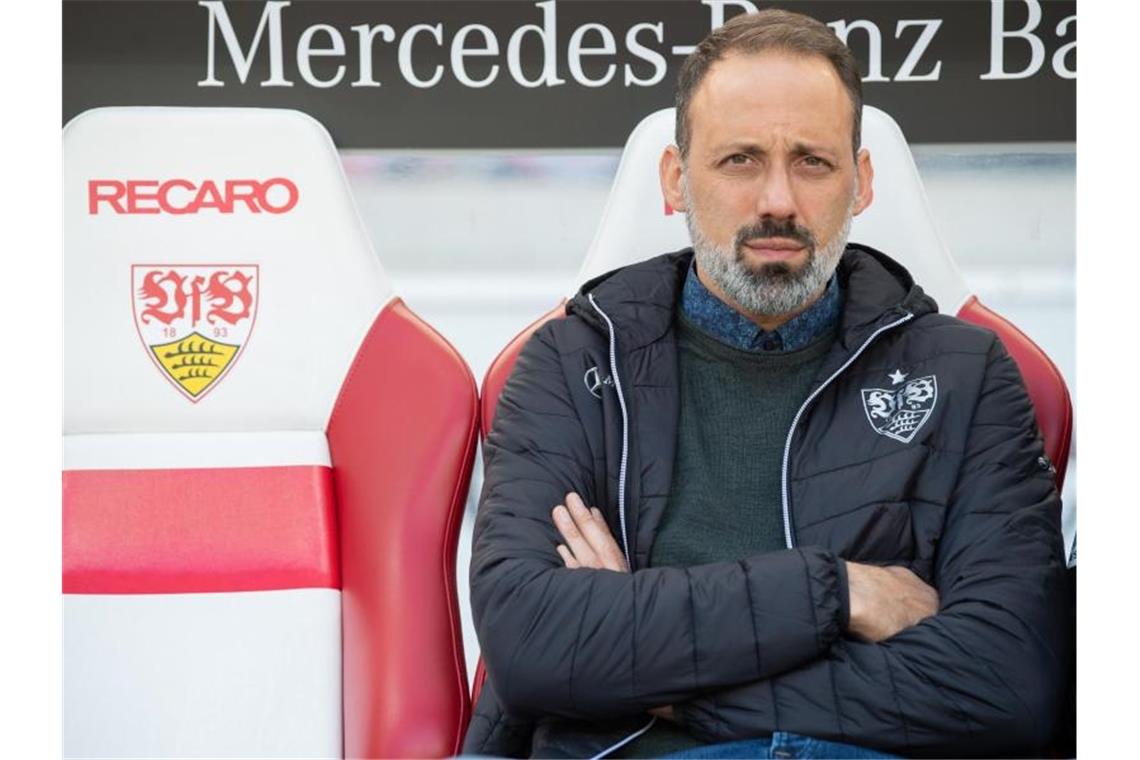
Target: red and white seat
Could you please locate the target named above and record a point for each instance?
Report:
(266, 455)
(637, 224)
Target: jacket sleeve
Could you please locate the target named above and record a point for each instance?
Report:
(984, 675)
(596, 643)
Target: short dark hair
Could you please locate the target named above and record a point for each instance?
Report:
(770, 29)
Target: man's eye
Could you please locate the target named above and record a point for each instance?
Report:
(739, 159)
(815, 162)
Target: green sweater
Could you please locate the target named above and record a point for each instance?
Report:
(725, 503)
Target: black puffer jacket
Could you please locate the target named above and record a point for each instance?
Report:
(942, 472)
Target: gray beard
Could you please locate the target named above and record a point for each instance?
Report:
(771, 290)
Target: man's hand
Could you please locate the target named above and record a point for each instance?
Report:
(588, 540)
(885, 600)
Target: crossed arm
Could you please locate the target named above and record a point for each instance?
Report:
(883, 600)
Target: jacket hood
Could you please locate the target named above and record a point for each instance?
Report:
(641, 299)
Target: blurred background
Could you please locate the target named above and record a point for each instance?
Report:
(481, 243)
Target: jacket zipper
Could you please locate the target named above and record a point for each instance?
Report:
(624, 431)
(621, 490)
(626, 740)
(795, 420)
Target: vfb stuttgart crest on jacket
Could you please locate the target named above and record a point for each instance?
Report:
(899, 412)
(194, 319)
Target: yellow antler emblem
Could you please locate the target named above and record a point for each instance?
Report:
(195, 362)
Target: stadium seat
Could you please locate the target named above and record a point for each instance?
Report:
(637, 224)
(266, 455)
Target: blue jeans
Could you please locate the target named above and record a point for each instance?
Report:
(782, 744)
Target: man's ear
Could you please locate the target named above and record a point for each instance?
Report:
(865, 175)
(671, 172)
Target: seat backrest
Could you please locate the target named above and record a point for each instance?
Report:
(250, 408)
(637, 224)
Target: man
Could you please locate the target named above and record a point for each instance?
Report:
(819, 506)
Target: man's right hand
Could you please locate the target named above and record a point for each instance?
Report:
(885, 600)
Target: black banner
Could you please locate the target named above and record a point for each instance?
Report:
(553, 73)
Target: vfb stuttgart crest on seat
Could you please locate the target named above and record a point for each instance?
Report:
(899, 412)
(194, 319)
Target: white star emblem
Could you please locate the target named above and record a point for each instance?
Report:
(896, 377)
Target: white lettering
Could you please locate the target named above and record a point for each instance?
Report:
(998, 34)
(1065, 71)
(576, 51)
(305, 51)
(645, 54)
(874, 45)
(404, 55)
(906, 70)
(270, 17)
(366, 34)
(459, 51)
(546, 32)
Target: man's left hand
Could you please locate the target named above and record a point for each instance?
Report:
(588, 540)
(886, 600)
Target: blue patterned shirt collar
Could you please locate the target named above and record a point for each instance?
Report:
(721, 321)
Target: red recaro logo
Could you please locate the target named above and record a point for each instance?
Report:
(181, 196)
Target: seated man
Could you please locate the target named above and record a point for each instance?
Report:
(821, 508)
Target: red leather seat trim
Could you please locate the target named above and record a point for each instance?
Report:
(1046, 385)
(402, 439)
(169, 531)
(477, 685)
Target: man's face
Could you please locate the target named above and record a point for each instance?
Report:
(770, 183)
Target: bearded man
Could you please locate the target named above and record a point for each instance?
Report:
(736, 564)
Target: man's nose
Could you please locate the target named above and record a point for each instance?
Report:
(776, 196)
